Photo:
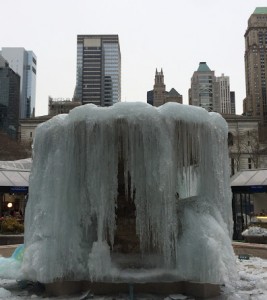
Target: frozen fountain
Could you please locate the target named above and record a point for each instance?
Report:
(130, 194)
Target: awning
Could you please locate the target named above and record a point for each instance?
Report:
(22, 164)
(14, 176)
(252, 181)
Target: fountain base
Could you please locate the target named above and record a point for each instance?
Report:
(199, 290)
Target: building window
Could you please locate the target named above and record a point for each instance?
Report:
(230, 139)
(232, 166)
(31, 134)
(249, 163)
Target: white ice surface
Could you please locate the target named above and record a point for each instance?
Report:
(177, 160)
(4, 294)
(10, 268)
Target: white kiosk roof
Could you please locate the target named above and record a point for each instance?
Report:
(250, 178)
(15, 173)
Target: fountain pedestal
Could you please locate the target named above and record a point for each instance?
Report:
(195, 289)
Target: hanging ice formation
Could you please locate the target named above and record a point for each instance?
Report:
(130, 193)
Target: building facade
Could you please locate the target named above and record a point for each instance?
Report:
(246, 151)
(204, 91)
(9, 99)
(159, 96)
(255, 103)
(60, 105)
(24, 63)
(27, 128)
(98, 77)
(56, 106)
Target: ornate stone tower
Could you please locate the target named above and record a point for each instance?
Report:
(159, 89)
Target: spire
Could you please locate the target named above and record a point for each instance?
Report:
(159, 77)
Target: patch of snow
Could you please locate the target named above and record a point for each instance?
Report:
(255, 231)
(4, 294)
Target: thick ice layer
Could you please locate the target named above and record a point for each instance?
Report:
(10, 268)
(175, 169)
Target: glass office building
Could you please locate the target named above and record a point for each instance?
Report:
(98, 77)
(9, 99)
(24, 63)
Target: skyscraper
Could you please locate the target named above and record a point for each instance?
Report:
(224, 94)
(255, 103)
(98, 77)
(232, 97)
(9, 99)
(23, 63)
(204, 91)
(209, 91)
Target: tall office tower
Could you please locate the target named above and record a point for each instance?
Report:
(224, 94)
(9, 99)
(98, 78)
(255, 103)
(232, 99)
(23, 63)
(204, 91)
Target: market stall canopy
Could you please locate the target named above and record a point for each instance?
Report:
(14, 176)
(251, 181)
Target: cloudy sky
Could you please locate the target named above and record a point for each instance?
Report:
(172, 34)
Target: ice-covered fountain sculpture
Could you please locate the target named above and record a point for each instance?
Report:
(130, 193)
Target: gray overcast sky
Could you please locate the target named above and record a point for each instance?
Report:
(172, 34)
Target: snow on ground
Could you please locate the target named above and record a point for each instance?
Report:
(255, 231)
(251, 285)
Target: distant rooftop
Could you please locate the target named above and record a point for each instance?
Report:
(173, 92)
(203, 67)
(260, 10)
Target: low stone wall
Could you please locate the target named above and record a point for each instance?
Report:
(199, 290)
(256, 239)
(11, 239)
(7, 250)
(258, 250)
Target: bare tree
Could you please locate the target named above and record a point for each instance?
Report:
(246, 143)
(11, 149)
